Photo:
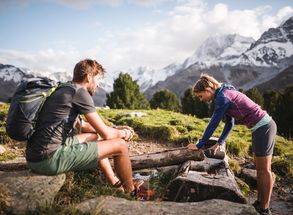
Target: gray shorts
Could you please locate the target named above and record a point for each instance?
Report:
(263, 139)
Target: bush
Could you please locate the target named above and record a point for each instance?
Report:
(165, 99)
(126, 94)
(283, 167)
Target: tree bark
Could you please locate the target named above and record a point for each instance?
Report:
(208, 179)
(165, 158)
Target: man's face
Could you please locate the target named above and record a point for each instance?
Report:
(94, 83)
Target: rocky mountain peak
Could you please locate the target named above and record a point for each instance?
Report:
(223, 49)
(274, 45)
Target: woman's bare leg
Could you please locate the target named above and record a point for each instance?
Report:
(257, 184)
(264, 179)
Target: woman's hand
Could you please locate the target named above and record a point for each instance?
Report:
(192, 146)
(215, 148)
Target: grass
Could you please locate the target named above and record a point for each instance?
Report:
(167, 126)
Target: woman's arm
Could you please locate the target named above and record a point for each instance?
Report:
(227, 129)
(221, 106)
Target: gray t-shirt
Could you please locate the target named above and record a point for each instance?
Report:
(56, 120)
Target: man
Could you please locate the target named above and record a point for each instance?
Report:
(54, 149)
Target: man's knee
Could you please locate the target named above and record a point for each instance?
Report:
(121, 145)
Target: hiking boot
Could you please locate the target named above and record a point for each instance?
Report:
(137, 183)
(118, 185)
(266, 211)
(260, 210)
(142, 194)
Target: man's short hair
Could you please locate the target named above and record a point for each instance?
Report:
(87, 66)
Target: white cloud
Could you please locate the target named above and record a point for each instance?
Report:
(183, 30)
(156, 45)
(43, 62)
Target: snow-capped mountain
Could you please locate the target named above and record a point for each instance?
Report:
(147, 77)
(235, 59)
(273, 46)
(220, 50)
(238, 60)
(11, 76)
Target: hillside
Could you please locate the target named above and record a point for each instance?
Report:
(234, 59)
(281, 81)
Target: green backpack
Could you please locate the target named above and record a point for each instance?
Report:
(25, 106)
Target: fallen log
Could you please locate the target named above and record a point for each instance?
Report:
(165, 158)
(17, 164)
(213, 181)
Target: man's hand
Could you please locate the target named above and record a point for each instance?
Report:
(192, 146)
(129, 132)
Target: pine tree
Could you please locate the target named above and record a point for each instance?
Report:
(284, 113)
(255, 96)
(165, 99)
(192, 105)
(270, 102)
(126, 94)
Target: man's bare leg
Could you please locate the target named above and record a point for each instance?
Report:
(118, 149)
(107, 169)
(104, 164)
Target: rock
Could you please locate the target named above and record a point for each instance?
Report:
(134, 114)
(25, 190)
(108, 205)
(249, 176)
(2, 149)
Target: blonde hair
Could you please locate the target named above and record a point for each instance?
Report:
(204, 82)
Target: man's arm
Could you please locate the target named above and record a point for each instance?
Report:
(96, 124)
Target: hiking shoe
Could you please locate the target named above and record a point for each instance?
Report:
(142, 194)
(266, 211)
(118, 185)
(137, 183)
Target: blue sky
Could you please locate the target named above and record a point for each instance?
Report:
(52, 35)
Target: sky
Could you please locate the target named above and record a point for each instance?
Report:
(53, 35)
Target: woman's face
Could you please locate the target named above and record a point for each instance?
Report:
(206, 95)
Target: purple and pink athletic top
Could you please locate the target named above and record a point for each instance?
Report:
(232, 104)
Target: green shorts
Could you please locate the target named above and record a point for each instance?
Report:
(72, 156)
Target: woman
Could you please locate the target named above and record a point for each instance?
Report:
(233, 104)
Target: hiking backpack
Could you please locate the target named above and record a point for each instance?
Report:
(25, 106)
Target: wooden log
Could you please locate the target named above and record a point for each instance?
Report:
(17, 164)
(165, 158)
(214, 181)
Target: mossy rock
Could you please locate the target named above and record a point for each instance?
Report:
(283, 167)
